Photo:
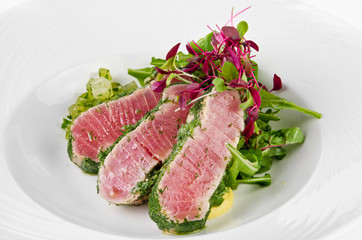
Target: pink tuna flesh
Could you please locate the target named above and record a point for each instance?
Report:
(195, 173)
(140, 151)
(99, 127)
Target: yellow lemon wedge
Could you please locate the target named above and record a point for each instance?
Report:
(224, 207)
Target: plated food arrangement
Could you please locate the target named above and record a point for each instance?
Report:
(196, 128)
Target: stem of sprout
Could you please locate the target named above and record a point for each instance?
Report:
(198, 98)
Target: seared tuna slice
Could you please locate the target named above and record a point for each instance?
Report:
(180, 199)
(99, 127)
(128, 171)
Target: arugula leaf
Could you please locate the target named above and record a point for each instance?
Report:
(277, 138)
(262, 181)
(277, 153)
(267, 116)
(278, 103)
(141, 74)
(240, 164)
(157, 62)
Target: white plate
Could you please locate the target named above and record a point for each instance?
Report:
(57, 46)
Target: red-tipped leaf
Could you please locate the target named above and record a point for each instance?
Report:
(252, 45)
(173, 51)
(277, 83)
(190, 49)
(159, 86)
(230, 32)
(238, 84)
(161, 71)
(256, 96)
(249, 129)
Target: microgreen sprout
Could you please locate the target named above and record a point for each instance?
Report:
(220, 60)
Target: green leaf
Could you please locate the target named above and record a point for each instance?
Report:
(229, 71)
(243, 164)
(248, 103)
(278, 103)
(268, 117)
(255, 68)
(277, 138)
(157, 62)
(242, 28)
(204, 43)
(169, 78)
(169, 64)
(181, 61)
(141, 74)
(277, 153)
(219, 84)
(262, 181)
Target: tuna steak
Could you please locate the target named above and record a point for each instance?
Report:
(99, 127)
(128, 171)
(179, 201)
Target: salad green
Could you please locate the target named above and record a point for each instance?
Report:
(222, 60)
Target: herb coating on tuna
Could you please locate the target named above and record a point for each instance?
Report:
(154, 207)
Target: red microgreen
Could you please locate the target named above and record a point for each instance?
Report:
(277, 83)
(173, 51)
(256, 96)
(159, 86)
(253, 113)
(248, 130)
(190, 49)
(231, 32)
(161, 71)
(238, 84)
(252, 45)
(220, 60)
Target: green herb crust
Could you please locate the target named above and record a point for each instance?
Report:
(216, 199)
(89, 166)
(154, 207)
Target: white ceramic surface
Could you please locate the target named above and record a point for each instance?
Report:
(48, 50)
